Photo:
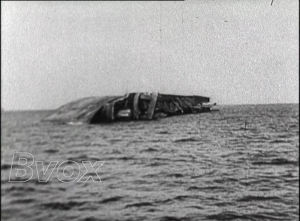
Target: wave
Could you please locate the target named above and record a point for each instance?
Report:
(258, 198)
(186, 140)
(241, 216)
(139, 204)
(277, 161)
(62, 206)
(195, 167)
(111, 199)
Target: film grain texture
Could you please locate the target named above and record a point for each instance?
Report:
(241, 163)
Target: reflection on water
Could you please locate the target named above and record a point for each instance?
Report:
(240, 163)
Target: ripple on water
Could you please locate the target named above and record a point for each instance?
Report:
(194, 167)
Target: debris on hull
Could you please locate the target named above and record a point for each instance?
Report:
(132, 106)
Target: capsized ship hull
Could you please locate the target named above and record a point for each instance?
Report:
(132, 106)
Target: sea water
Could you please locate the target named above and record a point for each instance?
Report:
(241, 163)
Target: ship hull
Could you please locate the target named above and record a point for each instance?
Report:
(132, 106)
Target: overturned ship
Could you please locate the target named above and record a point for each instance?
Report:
(132, 106)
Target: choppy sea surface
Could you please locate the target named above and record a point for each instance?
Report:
(241, 163)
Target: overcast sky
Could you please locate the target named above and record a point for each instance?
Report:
(236, 52)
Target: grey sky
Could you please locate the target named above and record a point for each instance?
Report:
(235, 52)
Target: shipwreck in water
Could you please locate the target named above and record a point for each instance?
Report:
(132, 106)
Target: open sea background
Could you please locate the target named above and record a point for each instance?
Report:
(193, 167)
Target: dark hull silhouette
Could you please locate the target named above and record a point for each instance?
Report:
(132, 106)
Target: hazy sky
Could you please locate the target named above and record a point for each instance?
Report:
(236, 52)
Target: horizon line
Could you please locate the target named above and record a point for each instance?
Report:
(47, 109)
